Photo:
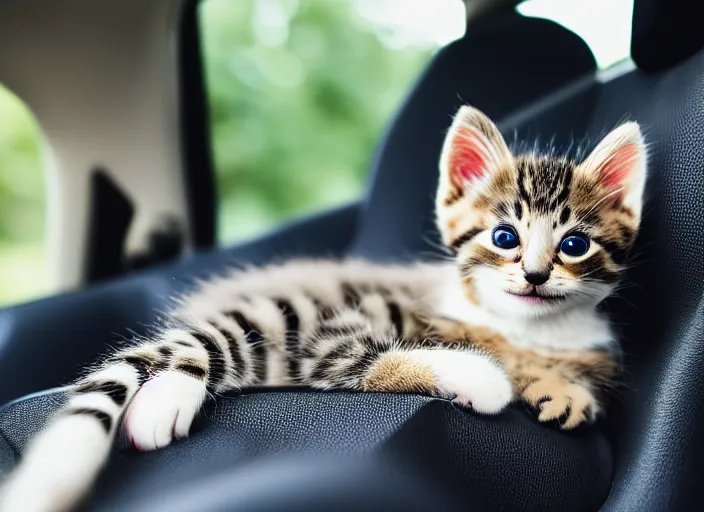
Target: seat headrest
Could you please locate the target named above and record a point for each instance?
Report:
(665, 32)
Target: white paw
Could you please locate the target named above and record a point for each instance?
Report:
(163, 408)
(470, 379)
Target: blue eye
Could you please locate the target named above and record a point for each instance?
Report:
(505, 237)
(575, 245)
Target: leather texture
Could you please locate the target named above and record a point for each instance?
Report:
(461, 458)
(383, 452)
(658, 430)
(665, 32)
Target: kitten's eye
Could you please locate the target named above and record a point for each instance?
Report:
(575, 245)
(505, 237)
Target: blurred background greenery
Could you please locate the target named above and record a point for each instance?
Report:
(23, 268)
(299, 94)
(300, 91)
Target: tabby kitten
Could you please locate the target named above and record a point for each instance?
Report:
(539, 241)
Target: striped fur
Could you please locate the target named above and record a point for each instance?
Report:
(461, 330)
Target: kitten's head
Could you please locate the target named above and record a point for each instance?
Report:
(536, 235)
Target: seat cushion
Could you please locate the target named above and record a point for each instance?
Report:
(508, 462)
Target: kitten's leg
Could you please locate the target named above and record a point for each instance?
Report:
(62, 461)
(174, 372)
(560, 386)
(161, 384)
(244, 344)
(348, 354)
(164, 406)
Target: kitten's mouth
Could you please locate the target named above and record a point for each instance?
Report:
(535, 297)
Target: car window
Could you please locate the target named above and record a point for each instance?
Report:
(605, 25)
(23, 264)
(299, 93)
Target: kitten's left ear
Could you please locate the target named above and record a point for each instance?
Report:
(619, 165)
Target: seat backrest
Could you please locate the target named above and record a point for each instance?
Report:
(657, 428)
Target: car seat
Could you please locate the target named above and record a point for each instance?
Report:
(280, 449)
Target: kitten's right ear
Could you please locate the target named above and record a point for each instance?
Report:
(619, 165)
(474, 149)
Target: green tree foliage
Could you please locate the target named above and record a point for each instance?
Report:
(299, 94)
(23, 269)
(22, 194)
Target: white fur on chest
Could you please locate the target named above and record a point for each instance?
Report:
(577, 329)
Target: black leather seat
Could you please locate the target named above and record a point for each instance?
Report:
(286, 450)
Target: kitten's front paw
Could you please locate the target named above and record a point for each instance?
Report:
(556, 399)
(471, 380)
(163, 408)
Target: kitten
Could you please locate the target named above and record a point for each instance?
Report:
(539, 241)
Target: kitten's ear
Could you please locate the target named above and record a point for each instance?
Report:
(473, 150)
(619, 165)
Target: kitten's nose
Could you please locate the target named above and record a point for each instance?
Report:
(536, 278)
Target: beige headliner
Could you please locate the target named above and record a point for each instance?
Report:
(101, 79)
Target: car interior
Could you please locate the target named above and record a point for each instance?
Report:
(295, 449)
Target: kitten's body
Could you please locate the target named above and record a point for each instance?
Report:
(513, 317)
